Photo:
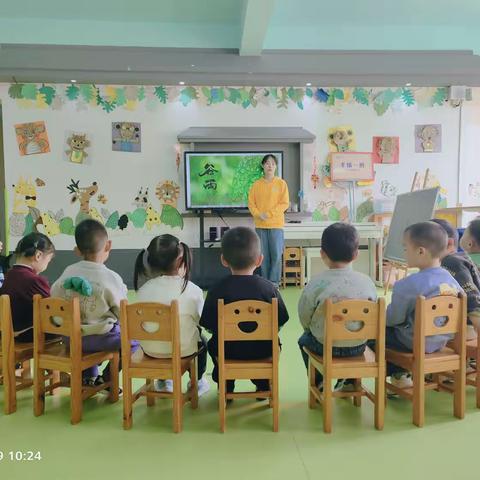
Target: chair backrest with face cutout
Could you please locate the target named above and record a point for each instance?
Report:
(56, 316)
(439, 315)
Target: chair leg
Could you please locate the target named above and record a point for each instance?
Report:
(274, 398)
(127, 401)
(10, 388)
(380, 400)
(221, 404)
(76, 395)
(327, 404)
(459, 380)
(418, 399)
(114, 388)
(26, 371)
(38, 391)
(477, 385)
(150, 399)
(357, 401)
(177, 403)
(193, 383)
(311, 384)
(53, 380)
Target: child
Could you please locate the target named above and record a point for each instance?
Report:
(465, 273)
(22, 281)
(241, 254)
(166, 265)
(470, 241)
(425, 244)
(6, 262)
(100, 291)
(339, 249)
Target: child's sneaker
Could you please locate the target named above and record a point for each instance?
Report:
(89, 381)
(203, 386)
(401, 380)
(163, 386)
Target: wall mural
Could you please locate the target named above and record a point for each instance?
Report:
(27, 216)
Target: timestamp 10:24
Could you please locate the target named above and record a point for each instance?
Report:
(20, 456)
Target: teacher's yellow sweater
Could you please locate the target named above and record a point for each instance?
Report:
(270, 198)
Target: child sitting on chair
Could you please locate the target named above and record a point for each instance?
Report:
(425, 244)
(22, 282)
(241, 254)
(166, 266)
(339, 249)
(465, 272)
(470, 241)
(100, 291)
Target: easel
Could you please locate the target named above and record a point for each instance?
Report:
(402, 267)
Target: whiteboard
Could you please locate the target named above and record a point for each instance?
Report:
(410, 208)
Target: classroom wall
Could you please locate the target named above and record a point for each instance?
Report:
(120, 174)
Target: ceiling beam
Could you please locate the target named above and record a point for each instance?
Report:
(255, 20)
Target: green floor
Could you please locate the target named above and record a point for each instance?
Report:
(99, 448)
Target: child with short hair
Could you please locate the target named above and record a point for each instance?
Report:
(100, 291)
(33, 254)
(166, 265)
(470, 241)
(339, 249)
(425, 244)
(465, 272)
(242, 255)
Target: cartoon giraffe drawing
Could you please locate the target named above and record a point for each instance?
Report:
(84, 195)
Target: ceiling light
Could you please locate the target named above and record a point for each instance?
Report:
(129, 68)
(181, 83)
(73, 81)
(309, 84)
(192, 65)
(408, 84)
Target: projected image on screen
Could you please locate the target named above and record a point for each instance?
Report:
(222, 180)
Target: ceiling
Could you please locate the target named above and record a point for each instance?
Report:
(242, 42)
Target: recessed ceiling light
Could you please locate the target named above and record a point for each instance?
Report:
(73, 81)
(309, 84)
(250, 73)
(181, 83)
(192, 65)
(408, 84)
(129, 68)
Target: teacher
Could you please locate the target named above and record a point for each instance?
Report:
(267, 201)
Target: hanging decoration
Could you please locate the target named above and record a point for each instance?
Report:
(110, 98)
(314, 178)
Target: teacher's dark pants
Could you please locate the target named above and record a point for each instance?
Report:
(272, 242)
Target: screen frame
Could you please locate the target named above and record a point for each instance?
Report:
(278, 153)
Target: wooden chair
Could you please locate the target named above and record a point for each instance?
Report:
(230, 318)
(369, 365)
(61, 317)
(446, 360)
(132, 319)
(11, 354)
(293, 264)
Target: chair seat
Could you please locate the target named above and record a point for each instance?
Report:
(367, 357)
(472, 346)
(434, 362)
(261, 363)
(58, 353)
(25, 349)
(161, 363)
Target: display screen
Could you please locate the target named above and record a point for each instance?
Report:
(223, 179)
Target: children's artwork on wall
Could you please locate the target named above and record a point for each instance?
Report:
(341, 139)
(126, 137)
(386, 150)
(351, 166)
(387, 189)
(325, 170)
(168, 193)
(474, 190)
(428, 138)
(32, 138)
(77, 147)
(84, 195)
(332, 205)
(365, 209)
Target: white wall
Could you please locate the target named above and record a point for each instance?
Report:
(120, 174)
